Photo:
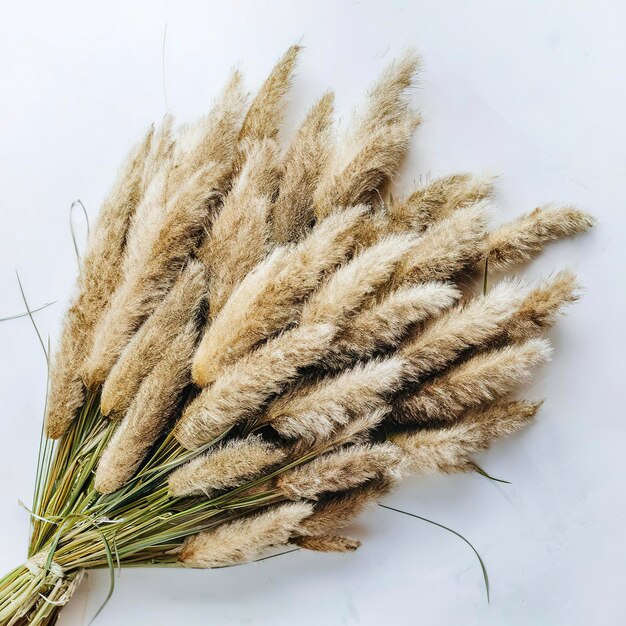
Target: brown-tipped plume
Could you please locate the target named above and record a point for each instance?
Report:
(149, 343)
(99, 276)
(446, 248)
(336, 511)
(370, 153)
(239, 236)
(522, 239)
(312, 413)
(292, 213)
(339, 471)
(541, 307)
(472, 325)
(148, 414)
(271, 296)
(437, 201)
(382, 325)
(482, 378)
(266, 111)
(230, 465)
(243, 539)
(450, 449)
(242, 388)
(328, 543)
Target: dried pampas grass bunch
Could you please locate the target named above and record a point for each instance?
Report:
(261, 344)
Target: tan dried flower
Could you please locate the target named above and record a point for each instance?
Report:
(271, 296)
(243, 539)
(231, 465)
(450, 449)
(523, 238)
(341, 470)
(482, 378)
(292, 213)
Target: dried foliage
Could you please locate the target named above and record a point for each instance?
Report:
(278, 343)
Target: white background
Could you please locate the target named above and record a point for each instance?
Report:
(534, 91)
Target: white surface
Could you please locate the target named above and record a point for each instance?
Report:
(534, 91)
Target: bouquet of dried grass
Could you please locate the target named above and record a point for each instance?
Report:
(260, 344)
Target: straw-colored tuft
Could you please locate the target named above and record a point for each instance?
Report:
(522, 239)
(382, 325)
(214, 138)
(482, 378)
(472, 325)
(266, 111)
(271, 296)
(229, 466)
(437, 201)
(147, 346)
(540, 309)
(313, 412)
(292, 213)
(357, 281)
(450, 449)
(243, 387)
(146, 284)
(244, 539)
(338, 471)
(368, 156)
(239, 237)
(328, 543)
(149, 413)
(446, 248)
(336, 511)
(100, 274)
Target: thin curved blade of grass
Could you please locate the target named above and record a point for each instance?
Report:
(482, 472)
(74, 204)
(111, 567)
(32, 319)
(26, 313)
(454, 532)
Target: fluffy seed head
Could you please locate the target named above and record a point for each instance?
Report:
(244, 539)
(230, 465)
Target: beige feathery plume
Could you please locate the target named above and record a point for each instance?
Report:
(371, 168)
(336, 511)
(449, 449)
(229, 466)
(446, 248)
(341, 470)
(541, 307)
(480, 379)
(243, 539)
(265, 114)
(328, 543)
(523, 238)
(147, 346)
(437, 201)
(238, 239)
(357, 281)
(243, 387)
(148, 414)
(213, 138)
(370, 153)
(471, 325)
(292, 213)
(313, 412)
(99, 276)
(146, 284)
(270, 297)
(382, 325)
